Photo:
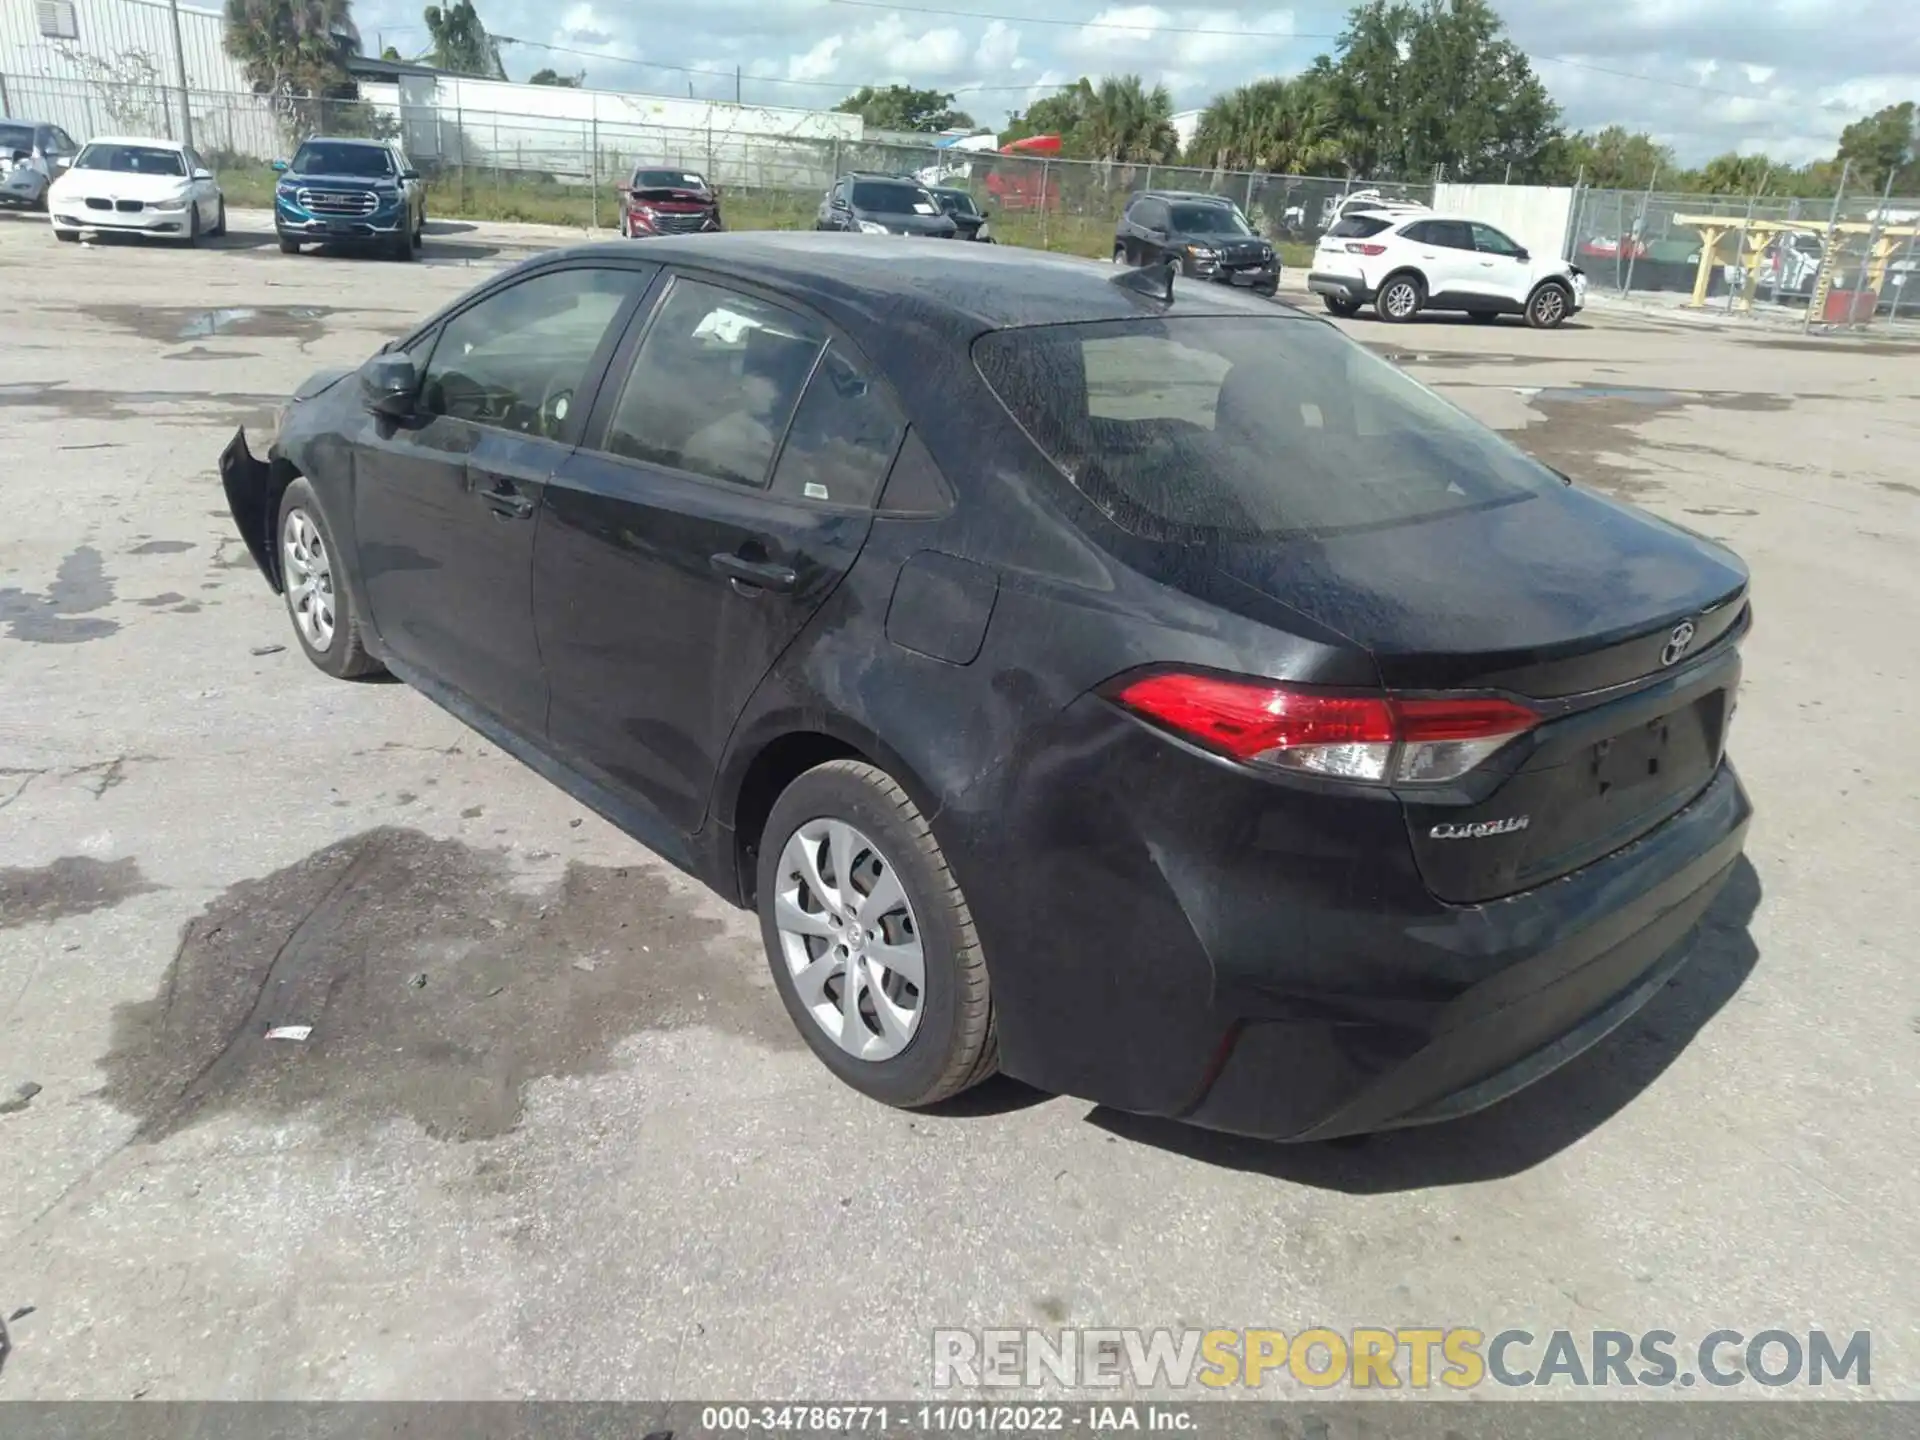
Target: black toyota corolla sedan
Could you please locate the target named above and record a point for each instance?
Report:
(1128, 685)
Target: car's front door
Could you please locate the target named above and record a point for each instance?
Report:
(722, 490)
(446, 503)
(1503, 276)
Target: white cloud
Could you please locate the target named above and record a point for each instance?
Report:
(999, 49)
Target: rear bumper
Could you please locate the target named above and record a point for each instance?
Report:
(1341, 287)
(1265, 958)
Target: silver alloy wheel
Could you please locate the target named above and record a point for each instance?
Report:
(1549, 305)
(1400, 299)
(309, 574)
(850, 939)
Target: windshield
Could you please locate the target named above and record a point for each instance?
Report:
(132, 160)
(321, 157)
(883, 199)
(956, 202)
(14, 138)
(1209, 220)
(1193, 430)
(668, 180)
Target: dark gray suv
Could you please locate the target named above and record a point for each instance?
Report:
(1206, 236)
(883, 205)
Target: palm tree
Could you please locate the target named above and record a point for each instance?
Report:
(292, 47)
(1128, 123)
(1280, 126)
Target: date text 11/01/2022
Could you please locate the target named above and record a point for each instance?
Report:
(942, 1419)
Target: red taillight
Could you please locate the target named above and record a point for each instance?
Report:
(1370, 738)
(1356, 248)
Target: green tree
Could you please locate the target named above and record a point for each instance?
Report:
(293, 47)
(1610, 159)
(461, 43)
(1437, 85)
(1283, 126)
(1127, 122)
(1063, 114)
(901, 107)
(1882, 142)
(554, 77)
(1732, 174)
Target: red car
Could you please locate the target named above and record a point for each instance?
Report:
(665, 201)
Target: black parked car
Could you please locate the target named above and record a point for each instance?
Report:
(1205, 235)
(964, 211)
(883, 205)
(1171, 704)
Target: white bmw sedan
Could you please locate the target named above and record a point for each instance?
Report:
(151, 187)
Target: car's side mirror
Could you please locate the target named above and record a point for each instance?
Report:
(388, 384)
(409, 174)
(63, 162)
(203, 174)
(279, 167)
(1521, 255)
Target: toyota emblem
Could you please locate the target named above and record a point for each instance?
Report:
(1677, 643)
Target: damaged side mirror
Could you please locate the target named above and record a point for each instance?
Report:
(388, 384)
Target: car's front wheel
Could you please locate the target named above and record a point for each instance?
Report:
(1399, 299)
(220, 219)
(870, 939)
(1548, 306)
(68, 236)
(289, 246)
(314, 583)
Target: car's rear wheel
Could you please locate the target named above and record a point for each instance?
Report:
(314, 583)
(1399, 299)
(1341, 305)
(870, 939)
(1548, 306)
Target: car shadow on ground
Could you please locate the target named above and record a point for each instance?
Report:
(1526, 1129)
(450, 227)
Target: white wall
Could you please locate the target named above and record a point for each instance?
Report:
(1536, 215)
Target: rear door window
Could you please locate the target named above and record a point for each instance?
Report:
(1359, 227)
(714, 384)
(843, 437)
(1204, 429)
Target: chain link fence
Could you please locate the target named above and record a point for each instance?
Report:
(1849, 260)
(503, 166)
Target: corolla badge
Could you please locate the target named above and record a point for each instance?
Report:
(1677, 643)
(1479, 829)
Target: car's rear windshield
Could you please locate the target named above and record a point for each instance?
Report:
(15, 137)
(132, 160)
(881, 198)
(668, 180)
(322, 158)
(1226, 428)
(1358, 227)
(1209, 220)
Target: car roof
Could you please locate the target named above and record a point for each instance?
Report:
(864, 284)
(147, 140)
(359, 140)
(1203, 195)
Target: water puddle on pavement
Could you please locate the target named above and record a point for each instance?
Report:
(172, 324)
(436, 985)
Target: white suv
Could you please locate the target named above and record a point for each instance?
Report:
(1403, 264)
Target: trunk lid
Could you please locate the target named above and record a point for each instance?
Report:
(1621, 626)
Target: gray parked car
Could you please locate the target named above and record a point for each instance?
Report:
(32, 156)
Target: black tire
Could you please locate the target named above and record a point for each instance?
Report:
(289, 246)
(954, 1046)
(1549, 304)
(220, 221)
(420, 230)
(67, 237)
(193, 226)
(1400, 299)
(39, 206)
(345, 656)
(1120, 255)
(1340, 305)
(402, 247)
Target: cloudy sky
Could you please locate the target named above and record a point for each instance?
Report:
(1705, 76)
